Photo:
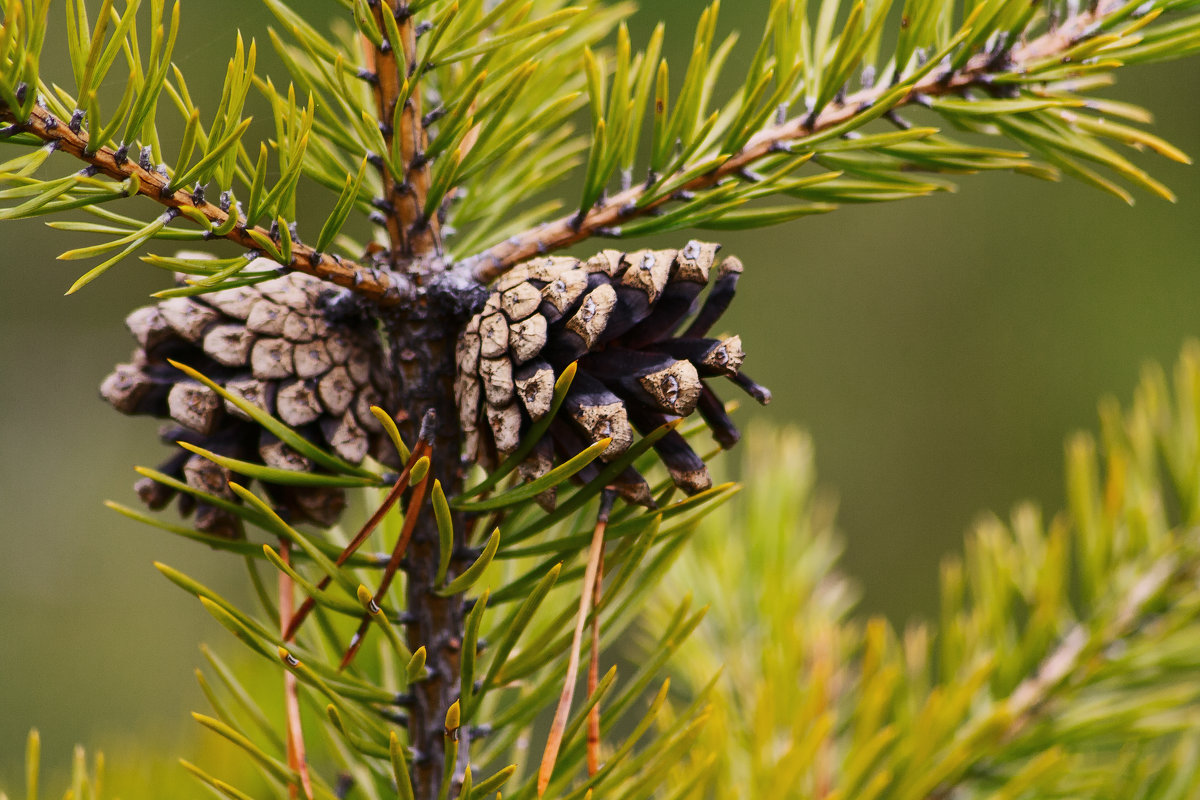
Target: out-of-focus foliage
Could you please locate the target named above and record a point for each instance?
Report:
(1066, 662)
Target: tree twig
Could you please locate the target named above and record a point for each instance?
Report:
(383, 286)
(413, 234)
(620, 208)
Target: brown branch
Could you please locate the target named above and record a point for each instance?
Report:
(379, 285)
(623, 207)
(412, 233)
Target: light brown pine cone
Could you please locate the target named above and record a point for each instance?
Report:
(277, 344)
(617, 315)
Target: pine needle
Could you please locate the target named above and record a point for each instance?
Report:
(297, 758)
(419, 451)
(593, 730)
(412, 514)
(559, 726)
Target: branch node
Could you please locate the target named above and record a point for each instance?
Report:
(394, 717)
(428, 423)
(626, 179)
(435, 113)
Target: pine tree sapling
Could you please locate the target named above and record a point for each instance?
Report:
(487, 397)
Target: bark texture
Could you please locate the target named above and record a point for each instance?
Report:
(422, 339)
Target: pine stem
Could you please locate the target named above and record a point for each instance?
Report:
(385, 288)
(610, 214)
(423, 355)
(413, 234)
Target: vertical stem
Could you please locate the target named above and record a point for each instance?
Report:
(412, 233)
(423, 357)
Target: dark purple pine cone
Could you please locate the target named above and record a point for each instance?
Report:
(277, 345)
(618, 315)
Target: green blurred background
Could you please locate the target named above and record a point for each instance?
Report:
(938, 349)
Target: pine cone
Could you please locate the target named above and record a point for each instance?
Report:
(616, 314)
(284, 346)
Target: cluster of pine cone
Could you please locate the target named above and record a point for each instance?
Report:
(615, 314)
(279, 344)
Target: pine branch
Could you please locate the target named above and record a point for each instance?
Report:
(382, 286)
(392, 61)
(939, 76)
